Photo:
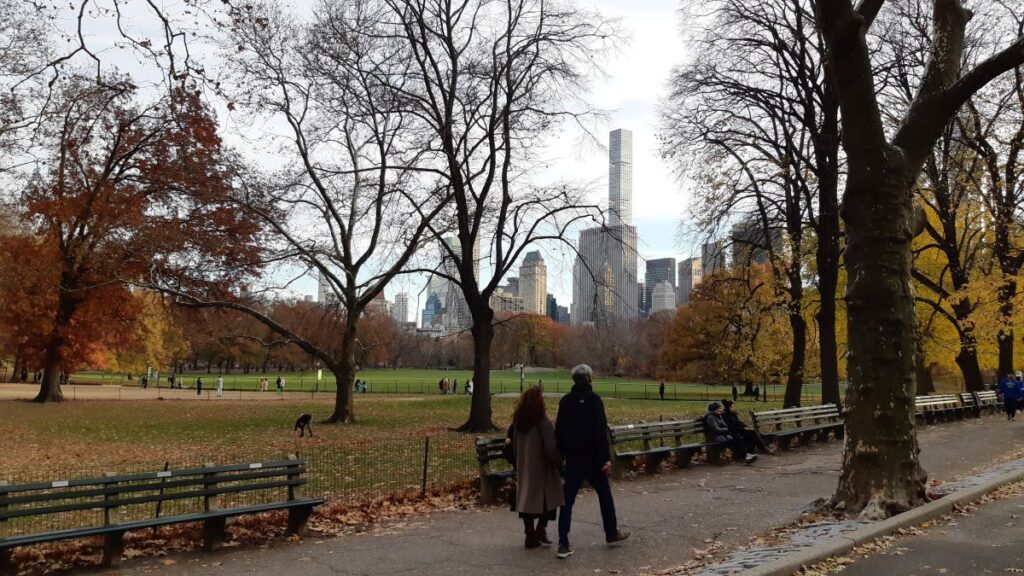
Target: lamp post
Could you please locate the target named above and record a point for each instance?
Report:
(521, 378)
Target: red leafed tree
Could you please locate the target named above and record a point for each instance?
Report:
(124, 188)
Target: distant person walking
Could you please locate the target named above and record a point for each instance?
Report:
(581, 429)
(170, 380)
(220, 386)
(455, 387)
(735, 393)
(199, 386)
(538, 461)
(661, 390)
(1011, 389)
(469, 387)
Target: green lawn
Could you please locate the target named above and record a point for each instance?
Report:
(414, 381)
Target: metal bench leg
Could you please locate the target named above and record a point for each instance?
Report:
(683, 458)
(213, 533)
(714, 454)
(113, 547)
(297, 519)
(488, 490)
(618, 468)
(651, 463)
(7, 567)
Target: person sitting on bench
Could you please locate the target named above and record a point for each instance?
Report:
(738, 429)
(718, 431)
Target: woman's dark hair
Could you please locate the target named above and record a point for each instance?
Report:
(529, 410)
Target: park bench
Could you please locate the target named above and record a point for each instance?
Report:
(492, 477)
(988, 401)
(115, 504)
(939, 408)
(655, 441)
(807, 423)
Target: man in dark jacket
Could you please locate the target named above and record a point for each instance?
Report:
(1010, 389)
(582, 433)
(718, 431)
(739, 430)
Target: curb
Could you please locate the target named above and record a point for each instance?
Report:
(843, 544)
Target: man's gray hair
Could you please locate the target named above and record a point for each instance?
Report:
(582, 374)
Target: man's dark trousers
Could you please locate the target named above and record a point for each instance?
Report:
(1010, 405)
(575, 474)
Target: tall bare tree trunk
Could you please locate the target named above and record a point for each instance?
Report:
(1004, 338)
(880, 482)
(795, 377)
(344, 371)
(480, 414)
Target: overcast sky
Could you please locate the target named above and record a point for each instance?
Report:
(636, 81)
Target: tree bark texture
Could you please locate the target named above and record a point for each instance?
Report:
(53, 363)
(795, 377)
(344, 370)
(480, 414)
(881, 471)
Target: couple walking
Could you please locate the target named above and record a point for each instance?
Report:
(577, 445)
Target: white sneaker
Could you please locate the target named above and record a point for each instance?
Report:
(750, 458)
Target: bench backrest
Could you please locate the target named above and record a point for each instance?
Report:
(114, 499)
(491, 455)
(667, 432)
(987, 398)
(968, 399)
(788, 418)
(936, 403)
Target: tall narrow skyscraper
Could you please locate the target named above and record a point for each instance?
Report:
(620, 177)
(604, 286)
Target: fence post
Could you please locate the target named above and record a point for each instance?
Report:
(426, 460)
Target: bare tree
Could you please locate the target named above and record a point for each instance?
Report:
(491, 80)
(355, 200)
(881, 472)
(758, 118)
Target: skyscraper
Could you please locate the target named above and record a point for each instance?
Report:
(533, 283)
(620, 177)
(658, 270)
(400, 311)
(752, 244)
(552, 307)
(604, 286)
(691, 272)
(712, 258)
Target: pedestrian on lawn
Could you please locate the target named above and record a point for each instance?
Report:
(718, 431)
(582, 432)
(538, 462)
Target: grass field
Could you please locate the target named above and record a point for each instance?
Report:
(414, 381)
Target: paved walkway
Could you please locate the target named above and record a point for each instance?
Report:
(672, 516)
(990, 540)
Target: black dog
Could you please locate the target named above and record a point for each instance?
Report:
(304, 423)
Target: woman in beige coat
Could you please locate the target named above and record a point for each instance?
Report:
(538, 482)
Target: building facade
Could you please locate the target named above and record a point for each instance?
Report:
(533, 283)
(712, 258)
(657, 271)
(663, 297)
(753, 244)
(691, 273)
(400, 309)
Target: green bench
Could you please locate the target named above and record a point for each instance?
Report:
(104, 499)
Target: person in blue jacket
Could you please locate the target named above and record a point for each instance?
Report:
(1010, 388)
